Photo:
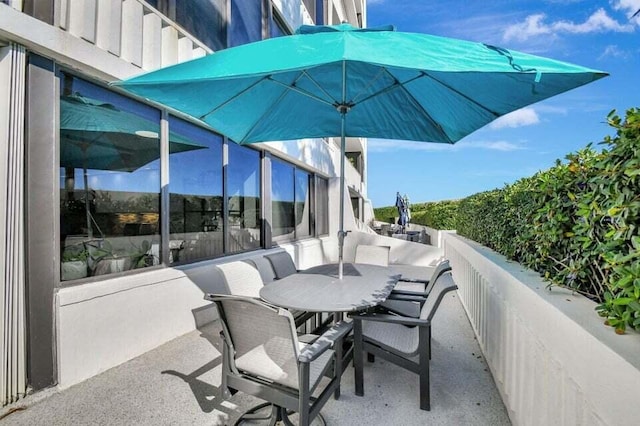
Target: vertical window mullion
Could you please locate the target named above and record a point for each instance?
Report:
(164, 188)
(225, 195)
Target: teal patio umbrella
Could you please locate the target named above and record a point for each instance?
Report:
(328, 81)
(97, 135)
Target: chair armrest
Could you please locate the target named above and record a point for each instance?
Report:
(409, 293)
(310, 352)
(327, 340)
(392, 319)
(414, 280)
(406, 298)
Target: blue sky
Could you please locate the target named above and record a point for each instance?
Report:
(595, 34)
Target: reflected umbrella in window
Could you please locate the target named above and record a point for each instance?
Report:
(97, 135)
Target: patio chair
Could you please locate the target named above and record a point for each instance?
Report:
(282, 264)
(262, 356)
(401, 299)
(385, 336)
(243, 279)
(372, 255)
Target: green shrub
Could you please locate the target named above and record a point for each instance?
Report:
(436, 215)
(385, 214)
(576, 223)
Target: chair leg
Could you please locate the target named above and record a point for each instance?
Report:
(429, 341)
(357, 357)
(304, 395)
(338, 348)
(423, 368)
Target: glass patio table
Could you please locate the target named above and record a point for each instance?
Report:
(318, 289)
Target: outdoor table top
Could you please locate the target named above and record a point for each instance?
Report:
(318, 289)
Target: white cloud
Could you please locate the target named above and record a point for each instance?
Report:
(519, 118)
(536, 25)
(613, 51)
(385, 145)
(630, 7)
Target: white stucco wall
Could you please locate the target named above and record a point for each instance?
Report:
(553, 360)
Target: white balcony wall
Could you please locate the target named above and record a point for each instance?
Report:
(552, 359)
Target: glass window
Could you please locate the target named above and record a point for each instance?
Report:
(206, 20)
(277, 28)
(303, 204)
(243, 185)
(195, 192)
(355, 204)
(282, 199)
(246, 21)
(322, 206)
(109, 181)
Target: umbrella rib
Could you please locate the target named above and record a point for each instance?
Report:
(302, 92)
(272, 106)
(495, 114)
(363, 91)
(398, 85)
(319, 86)
(234, 97)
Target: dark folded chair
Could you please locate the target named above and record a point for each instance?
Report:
(387, 336)
(282, 266)
(402, 301)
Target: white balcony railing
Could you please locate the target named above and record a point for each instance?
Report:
(131, 30)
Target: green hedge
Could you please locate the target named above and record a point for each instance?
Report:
(437, 215)
(576, 223)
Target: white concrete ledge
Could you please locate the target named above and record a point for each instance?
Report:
(552, 358)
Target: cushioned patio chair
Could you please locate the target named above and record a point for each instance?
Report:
(262, 356)
(402, 301)
(243, 279)
(282, 264)
(386, 336)
(372, 255)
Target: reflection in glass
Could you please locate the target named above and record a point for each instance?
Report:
(109, 181)
(206, 20)
(303, 204)
(195, 210)
(246, 22)
(243, 185)
(277, 28)
(322, 206)
(282, 199)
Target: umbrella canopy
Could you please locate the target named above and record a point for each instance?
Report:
(342, 81)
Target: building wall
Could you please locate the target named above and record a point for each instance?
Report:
(94, 326)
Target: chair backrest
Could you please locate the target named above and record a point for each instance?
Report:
(442, 267)
(262, 339)
(282, 264)
(241, 278)
(372, 255)
(443, 285)
(264, 268)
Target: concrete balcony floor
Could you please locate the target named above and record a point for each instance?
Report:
(177, 384)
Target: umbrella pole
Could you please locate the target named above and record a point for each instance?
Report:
(341, 233)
